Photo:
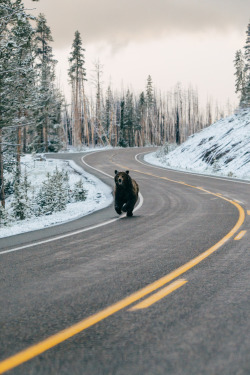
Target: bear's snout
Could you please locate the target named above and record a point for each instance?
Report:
(119, 180)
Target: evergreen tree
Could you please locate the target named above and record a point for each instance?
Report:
(246, 97)
(21, 80)
(109, 116)
(54, 193)
(240, 81)
(4, 217)
(108, 109)
(20, 204)
(77, 74)
(10, 11)
(122, 133)
(79, 193)
(129, 118)
(149, 92)
(48, 101)
(150, 107)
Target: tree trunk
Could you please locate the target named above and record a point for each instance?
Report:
(86, 129)
(2, 195)
(46, 132)
(177, 129)
(19, 145)
(24, 139)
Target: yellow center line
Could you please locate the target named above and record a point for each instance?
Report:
(159, 295)
(61, 336)
(240, 235)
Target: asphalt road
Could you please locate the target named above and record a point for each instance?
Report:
(164, 292)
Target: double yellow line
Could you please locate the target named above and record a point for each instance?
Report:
(58, 338)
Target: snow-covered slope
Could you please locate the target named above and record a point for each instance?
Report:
(221, 149)
(99, 195)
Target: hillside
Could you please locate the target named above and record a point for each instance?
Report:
(221, 149)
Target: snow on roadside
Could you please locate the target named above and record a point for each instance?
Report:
(99, 195)
(222, 149)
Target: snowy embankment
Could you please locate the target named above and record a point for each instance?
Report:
(222, 149)
(98, 195)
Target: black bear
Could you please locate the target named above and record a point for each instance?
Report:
(125, 193)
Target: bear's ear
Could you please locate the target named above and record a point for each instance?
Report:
(127, 172)
(116, 171)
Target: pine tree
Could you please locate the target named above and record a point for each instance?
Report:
(10, 11)
(79, 193)
(122, 133)
(129, 118)
(149, 92)
(240, 80)
(21, 80)
(48, 101)
(45, 197)
(4, 217)
(246, 97)
(60, 193)
(77, 74)
(109, 116)
(20, 204)
(150, 103)
(53, 195)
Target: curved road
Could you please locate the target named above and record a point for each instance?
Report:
(164, 292)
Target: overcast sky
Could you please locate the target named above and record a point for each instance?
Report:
(188, 41)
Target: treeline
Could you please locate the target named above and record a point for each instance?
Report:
(129, 119)
(35, 118)
(126, 119)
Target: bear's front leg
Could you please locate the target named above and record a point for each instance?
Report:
(118, 206)
(118, 209)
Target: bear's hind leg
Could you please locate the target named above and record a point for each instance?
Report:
(129, 208)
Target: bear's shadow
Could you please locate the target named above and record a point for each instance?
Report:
(131, 217)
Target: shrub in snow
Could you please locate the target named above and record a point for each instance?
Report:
(79, 193)
(53, 194)
(20, 203)
(165, 149)
(4, 217)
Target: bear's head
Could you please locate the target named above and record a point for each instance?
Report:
(122, 178)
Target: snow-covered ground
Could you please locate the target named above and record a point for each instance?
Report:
(99, 195)
(222, 149)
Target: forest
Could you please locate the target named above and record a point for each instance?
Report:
(35, 117)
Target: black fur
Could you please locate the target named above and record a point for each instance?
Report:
(125, 193)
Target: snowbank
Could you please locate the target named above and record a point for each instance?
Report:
(222, 149)
(99, 195)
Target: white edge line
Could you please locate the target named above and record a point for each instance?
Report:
(80, 230)
(186, 172)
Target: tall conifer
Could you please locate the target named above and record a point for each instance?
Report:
(246, 98)
(48, 101)
(77, 74)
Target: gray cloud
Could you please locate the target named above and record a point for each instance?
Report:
(120, 21)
